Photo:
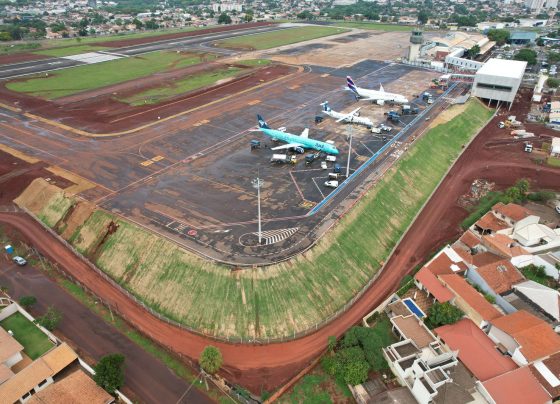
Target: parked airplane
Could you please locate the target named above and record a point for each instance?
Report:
(351, 117)
(296, 142)
(378, 96)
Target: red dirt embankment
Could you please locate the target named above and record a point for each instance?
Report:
(266, 367)
(20, 57)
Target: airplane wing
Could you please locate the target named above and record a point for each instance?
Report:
(287, 146)
(349, 115)
(305, 133)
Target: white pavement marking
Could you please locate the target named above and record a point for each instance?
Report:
(275, 236)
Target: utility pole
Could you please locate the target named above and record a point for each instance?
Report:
(349, 153)
(257, 183)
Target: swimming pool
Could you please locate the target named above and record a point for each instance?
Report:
(413, 307)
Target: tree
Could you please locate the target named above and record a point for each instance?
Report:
(443, 313)
(27, 301)
(109, 373)
(500, 36)
(552, 82)
(50, 319)
(83, 32)
(331, 343)
(249, 15)
(528, 55)
(138, 23)
(473, 52)
(5, 36)
(305, 15)
(423, 16)
(224, 19)
(356, 372)
(522, 185)
(211, 359)
(151, 24)
(553, 57)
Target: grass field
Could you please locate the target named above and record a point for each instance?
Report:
(274, 39)
(283, 299)
(34, 342)
(373, 26)
(189, 83)
(89, 77)
(70, 50)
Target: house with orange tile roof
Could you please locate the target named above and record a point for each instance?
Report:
(446, 261)
(426, 281)
(547, 372)
(469, 300)
(498, 277)
(503, 245)
(510, 213)
(518, 386)
(477, 352)
(524, 336)
(489, 224)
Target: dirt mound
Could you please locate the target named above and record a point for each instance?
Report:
(81, 212)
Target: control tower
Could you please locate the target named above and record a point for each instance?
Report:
(416, 40)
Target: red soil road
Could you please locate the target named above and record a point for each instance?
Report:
(104, 114)
(261, 367)
(20, 57)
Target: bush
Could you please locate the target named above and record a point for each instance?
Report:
(541, 196)
(350, 338)
(442, 314)
(109, 373)
(552, 82)
(211, 359)
(356, 372)
(27, 302)
(50, 319)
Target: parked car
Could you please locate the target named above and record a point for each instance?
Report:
(19, 260)
(557, 208)
(324, 165)
(331, 184)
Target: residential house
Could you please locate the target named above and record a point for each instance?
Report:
(547, 372)
(477, 352)
(541, 296)
(10, 354)
(503, 245)
(510, 213)
(518, 386)
(525, 337)
(534, 236)
(472, 303)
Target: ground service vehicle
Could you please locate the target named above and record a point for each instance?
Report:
(283, 158)
(332, 159)
(324, 165)
(331, 184)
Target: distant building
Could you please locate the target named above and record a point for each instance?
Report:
(221, 7)
(523, 37)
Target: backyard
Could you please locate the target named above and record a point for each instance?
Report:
(35, 342)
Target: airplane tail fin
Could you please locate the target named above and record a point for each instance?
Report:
(262, 122)
(381, 89)
(326, 106)
(351, 84)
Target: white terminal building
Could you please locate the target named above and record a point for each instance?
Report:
(499, 80)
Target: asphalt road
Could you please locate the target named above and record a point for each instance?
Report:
(147, 377)
(44, 65)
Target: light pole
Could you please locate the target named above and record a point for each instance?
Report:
(257, 183)
(349, 153)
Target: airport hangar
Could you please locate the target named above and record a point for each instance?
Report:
(498, 80)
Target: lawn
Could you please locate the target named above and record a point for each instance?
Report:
(374, 26)
(553, 161)
(70, 50)
(89, 77)
(291, 297)
(274, 39)
(189, 83)
(34, 342)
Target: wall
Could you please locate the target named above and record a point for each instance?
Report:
(498, 336)
(474, 277)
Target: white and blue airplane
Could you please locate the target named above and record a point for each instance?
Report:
(351, 117)
(380, 97)
(298, 143)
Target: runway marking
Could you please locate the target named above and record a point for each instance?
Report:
(151, 161)
(158, 158)
(9, 107)
(200, 123)
(294, 87)
(275, 236)
(325, 75)
(254, 102)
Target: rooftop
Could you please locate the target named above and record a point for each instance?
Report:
(546, 298)
(500, 276)
(46, 366)
(547, 373)
(490, 222)
(469, 239)
(476, 349)
(413, 328)
(516, 387)
(447, 261)
(535, 337)
(503, 245)
(460, 287)
(433, 285)
(503, 68)
(512, 210)
(520, 35)
(8, 346)
(76, 388)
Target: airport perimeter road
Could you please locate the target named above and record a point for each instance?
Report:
(148, 378)
(187, 42)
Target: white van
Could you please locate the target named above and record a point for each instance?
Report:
(331, 184)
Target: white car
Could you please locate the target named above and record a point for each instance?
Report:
(331, 158)
(331, 184)
(385, 128)
(557, 208)
(19, 261)
(324, 165)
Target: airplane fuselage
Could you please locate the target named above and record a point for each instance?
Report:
(375, 95)
(349, 119)
(304, 142)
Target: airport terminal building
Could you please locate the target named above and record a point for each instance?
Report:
(499, 80)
